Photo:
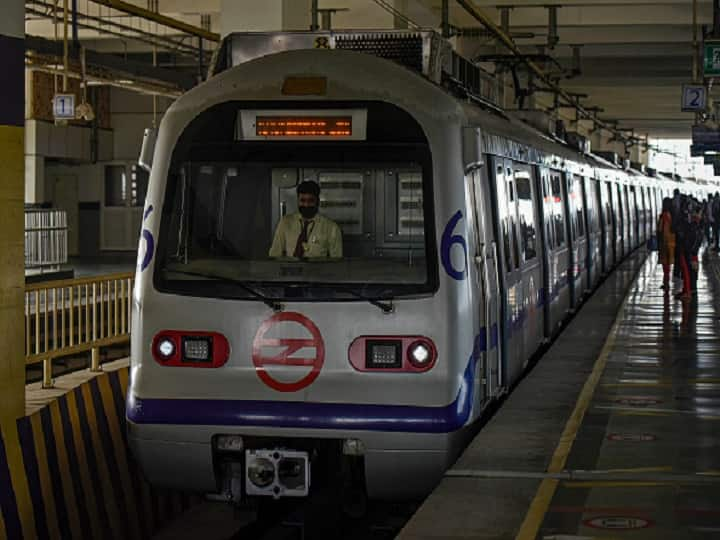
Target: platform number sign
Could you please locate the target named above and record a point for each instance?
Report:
(694, 98)
(64, 106)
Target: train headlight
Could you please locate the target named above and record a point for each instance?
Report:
(261, 472)
(421, 354)
(166, 348)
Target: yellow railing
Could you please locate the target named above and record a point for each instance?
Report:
(71, 316)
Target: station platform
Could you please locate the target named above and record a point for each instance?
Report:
(612, 435)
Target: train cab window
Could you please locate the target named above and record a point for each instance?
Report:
(232, 225)
(526, 214)
(577, 203)
(558, 210)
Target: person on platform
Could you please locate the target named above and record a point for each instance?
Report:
(666, 241)
(691, 238)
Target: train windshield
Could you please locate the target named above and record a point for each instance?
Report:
(319, 219)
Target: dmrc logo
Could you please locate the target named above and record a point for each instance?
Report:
(277, 348)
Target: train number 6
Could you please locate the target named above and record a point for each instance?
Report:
(448, 240)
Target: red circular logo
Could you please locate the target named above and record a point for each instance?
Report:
(290, 347)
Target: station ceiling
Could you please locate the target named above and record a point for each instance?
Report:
(635, 54)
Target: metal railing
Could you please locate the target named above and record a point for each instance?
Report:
(46, 239)
(72, 316)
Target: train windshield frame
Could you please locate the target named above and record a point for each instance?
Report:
(226, 198)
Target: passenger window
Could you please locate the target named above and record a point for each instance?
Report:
(558, 214)
(526, 215)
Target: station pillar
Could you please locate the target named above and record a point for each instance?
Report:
(12, 194)
(274, 15)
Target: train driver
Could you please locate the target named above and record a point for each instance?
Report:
(306, 233)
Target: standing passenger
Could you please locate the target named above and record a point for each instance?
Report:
(690, 240)
(666, 241)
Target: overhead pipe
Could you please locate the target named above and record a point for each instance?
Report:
(505, 39)
(137, 11)
(142, 36)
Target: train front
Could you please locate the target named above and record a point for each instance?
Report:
(278, 345)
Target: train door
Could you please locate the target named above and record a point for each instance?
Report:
(559, 292)
(530, 263)
(639, 205)
(486, 262)
(616, 223)
(510, 338)
(568, 208)
(545, 208)
(577, 216)
(630, 236)
(603, 230)
(591, 226)
(620, 222)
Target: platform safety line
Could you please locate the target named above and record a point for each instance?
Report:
(540, 504)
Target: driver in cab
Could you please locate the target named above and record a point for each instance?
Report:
(306, 233)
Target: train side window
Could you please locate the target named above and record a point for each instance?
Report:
(558, 213)
(526, 214)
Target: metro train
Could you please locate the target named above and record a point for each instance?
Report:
(468, 237)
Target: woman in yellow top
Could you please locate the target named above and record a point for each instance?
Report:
(666, 241)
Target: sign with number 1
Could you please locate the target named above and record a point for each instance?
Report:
(64, 106)
(694, 98)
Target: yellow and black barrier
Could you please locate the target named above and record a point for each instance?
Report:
(66, 472)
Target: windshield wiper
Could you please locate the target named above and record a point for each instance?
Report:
(271, 303)
(386, 307)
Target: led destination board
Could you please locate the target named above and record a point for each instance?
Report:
(303, 126)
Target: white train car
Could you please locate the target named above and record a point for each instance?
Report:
(467, 238)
